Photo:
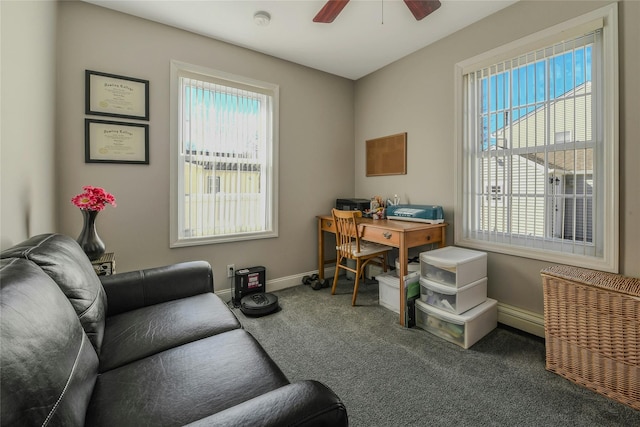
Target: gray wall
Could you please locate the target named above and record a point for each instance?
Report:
(316, 136)
(324, 121)
(416, 95)
(27, 180)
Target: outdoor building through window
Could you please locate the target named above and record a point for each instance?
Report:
(539, 147)
(223, 157)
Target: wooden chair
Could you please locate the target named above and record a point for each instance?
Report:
(349, 246)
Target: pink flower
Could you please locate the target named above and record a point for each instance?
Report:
(93, 199)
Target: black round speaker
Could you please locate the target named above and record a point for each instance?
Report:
(259, 304)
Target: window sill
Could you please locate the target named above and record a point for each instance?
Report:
(539, 254)
(199, 241)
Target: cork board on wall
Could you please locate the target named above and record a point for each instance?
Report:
(387, 155)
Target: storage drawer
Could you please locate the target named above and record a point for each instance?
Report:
(462, 329)
(453, 266)
(328, 225)
(412, 267)
(425, 237)
(381, 235)
(389, 289)
(451, 299)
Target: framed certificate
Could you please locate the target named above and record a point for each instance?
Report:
(116, 142)
(116, 96)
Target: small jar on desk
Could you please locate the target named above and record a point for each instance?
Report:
(105, 265)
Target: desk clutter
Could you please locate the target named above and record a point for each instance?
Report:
(378, 208)
(389, 284)
(453, 302)
(396, 234)
(105, 265)
(419, 213)
(389, 288)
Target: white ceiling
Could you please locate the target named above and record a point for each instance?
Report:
(366, 36)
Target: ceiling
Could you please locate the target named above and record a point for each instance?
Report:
(366, 36)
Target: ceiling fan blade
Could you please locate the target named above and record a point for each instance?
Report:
(420, 9)
(330, 11)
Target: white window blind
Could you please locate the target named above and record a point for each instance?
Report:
(225, 163)
(537, 164)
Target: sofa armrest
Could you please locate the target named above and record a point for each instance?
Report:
(305, 403)
(135, 289)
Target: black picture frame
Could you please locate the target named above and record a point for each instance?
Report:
(116, 96)
(109, 141)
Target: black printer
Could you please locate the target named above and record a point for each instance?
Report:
(353, 204)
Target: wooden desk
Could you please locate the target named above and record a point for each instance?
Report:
(399, 234)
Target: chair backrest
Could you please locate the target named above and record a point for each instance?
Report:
(346, 231)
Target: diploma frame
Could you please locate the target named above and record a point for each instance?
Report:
(116, 142)
(116, 96)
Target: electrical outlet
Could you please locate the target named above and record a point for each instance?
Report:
(231, 270)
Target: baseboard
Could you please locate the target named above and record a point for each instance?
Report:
(515, 317)
(518, 318)
(281, 283)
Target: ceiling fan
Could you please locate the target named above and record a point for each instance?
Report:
(332, 9)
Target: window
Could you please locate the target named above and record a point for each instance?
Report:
(495, 193)
(563, 136)
(539, 145)
(213, 184)
(223, 157)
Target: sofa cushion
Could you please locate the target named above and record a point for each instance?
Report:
(64, 261)
(304, 403)
(136, 289)
(185, 383)
(140, 333)
(49, 367)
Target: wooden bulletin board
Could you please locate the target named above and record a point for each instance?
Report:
(387, 155)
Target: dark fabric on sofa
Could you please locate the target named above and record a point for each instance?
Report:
(172, 352)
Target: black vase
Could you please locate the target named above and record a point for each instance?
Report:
(89, 240)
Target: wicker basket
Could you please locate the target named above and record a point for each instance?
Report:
(592, 330)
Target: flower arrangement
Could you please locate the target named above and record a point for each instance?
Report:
(93, 199)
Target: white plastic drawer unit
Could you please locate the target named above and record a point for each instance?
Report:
(462, 329)
(389, 289)
(451, 299)
(453, 266)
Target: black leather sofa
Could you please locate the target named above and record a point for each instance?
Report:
(153, 347)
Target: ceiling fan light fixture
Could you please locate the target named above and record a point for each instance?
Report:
(419, 8)
(262, 18)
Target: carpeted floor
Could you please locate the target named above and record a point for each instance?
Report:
(388, 375)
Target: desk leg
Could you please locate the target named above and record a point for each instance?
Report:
(320, 250)
(403, 259)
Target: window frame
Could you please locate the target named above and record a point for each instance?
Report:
(608, 261)
(271, 207)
